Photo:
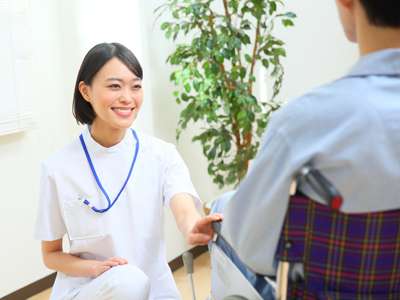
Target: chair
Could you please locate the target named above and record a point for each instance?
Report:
(342, 255)
(324, 253)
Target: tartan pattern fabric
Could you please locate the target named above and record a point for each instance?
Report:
(344, 256)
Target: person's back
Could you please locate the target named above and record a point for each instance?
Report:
(348, 129)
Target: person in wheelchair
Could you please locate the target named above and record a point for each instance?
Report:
(349, 130)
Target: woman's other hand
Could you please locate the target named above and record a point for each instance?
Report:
(99, 267)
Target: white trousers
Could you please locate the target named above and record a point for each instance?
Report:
(124, 282)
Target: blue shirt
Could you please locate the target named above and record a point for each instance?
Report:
(348, 129)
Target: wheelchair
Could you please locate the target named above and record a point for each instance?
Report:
(311, 269)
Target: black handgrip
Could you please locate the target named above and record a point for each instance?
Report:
(217, 225)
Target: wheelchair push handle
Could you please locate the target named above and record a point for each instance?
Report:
(322, 186)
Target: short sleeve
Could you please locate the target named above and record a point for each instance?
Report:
(49, 223)
(176, 177)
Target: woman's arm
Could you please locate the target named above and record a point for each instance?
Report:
(54, 258)
(196, 229)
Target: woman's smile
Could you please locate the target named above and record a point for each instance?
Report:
(124, 112)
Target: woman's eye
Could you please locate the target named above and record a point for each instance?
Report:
(114, 86)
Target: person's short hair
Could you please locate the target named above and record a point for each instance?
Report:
(385, 13)
(94, 60)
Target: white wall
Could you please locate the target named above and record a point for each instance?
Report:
(62, 33)
(15, 58)
(317, 50)
(20, 153)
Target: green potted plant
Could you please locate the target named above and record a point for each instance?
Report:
(215, 72)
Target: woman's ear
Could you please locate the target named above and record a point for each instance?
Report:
(84, 90)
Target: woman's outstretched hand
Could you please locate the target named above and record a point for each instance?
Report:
(202, 231)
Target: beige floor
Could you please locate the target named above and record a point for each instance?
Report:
(201, 280)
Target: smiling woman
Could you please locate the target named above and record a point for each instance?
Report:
(106, 191)
(110, 98)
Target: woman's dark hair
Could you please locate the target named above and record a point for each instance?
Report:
(94, 60)
(385, 13)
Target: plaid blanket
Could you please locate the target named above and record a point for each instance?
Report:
(344, 256)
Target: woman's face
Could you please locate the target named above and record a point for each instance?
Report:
(115, 94)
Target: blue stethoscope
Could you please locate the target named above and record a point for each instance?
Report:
(89, 160)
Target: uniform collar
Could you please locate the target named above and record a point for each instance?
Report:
(95, 146)
(381, 63)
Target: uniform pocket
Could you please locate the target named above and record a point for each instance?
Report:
(81, 221)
